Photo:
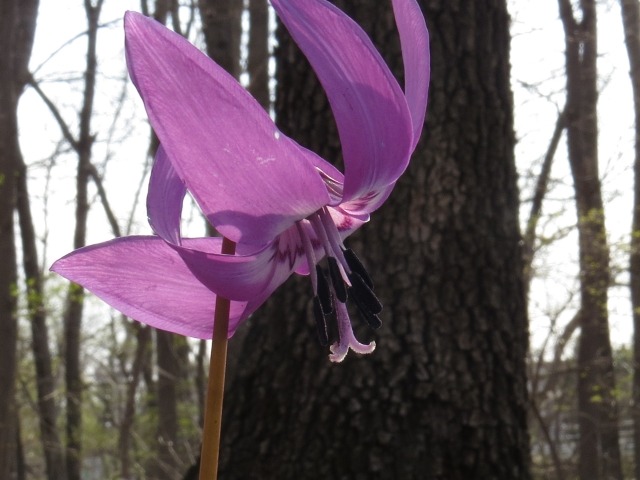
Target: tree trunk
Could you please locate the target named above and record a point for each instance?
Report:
(597, 410)
(221, 27)
(17, 28)
(444, 394)
(258, 61)
(75, 297)
(631, 24)
(168, 375)
(45, 381)
(143, 337)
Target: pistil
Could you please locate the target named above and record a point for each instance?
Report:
(347, 279)
(336, 279)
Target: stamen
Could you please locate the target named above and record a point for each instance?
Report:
(324, 291)
(321, 322)
(363, 294)
(334, 238)
(356, 266)
(309, 253)
(372, 319)
(347, 340)
(333, 329)
(336, 279)
(331, 249)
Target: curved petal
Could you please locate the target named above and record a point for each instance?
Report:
(251, 181)
(414, 40)
(144, 278)
(370, 108)
(248, 274)
(164, 198)
(367, 204)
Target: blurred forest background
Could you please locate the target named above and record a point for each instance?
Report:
(507, 258)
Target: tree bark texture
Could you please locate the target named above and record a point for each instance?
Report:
(17, 28)
(599, 452)
(631, 25)
(444, 394)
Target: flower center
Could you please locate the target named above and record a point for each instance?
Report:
(344, 278)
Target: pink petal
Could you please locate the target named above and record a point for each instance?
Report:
(251, 181)
(247, 275)
(164, 199)
(414, 39)
(370, 109)
(144, 278)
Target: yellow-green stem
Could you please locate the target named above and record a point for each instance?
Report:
(215, 390)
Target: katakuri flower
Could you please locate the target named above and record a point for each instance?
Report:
(285, 207)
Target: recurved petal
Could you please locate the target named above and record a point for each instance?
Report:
(370, 108)
(164, 198)
(414, 39)
(144, 278)
(247, 275)
(251, 181)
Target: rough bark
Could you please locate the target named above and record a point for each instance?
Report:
(597, 411)
(444, 394)
(631, 25)
(17, 28)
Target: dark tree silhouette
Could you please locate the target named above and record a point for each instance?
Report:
(17, 28)
(631, 25)
(597, 410)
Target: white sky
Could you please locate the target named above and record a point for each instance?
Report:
(537, 60)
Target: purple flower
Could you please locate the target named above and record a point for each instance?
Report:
(285, 207)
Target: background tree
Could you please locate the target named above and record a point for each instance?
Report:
(75, 296)
(444, 395)
(258, 57)
(631, 25)
(597, 410)
(17, 27)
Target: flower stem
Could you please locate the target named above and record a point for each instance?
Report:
(215, 390)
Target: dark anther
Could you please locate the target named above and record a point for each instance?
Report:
(372, 319)
(364, 295)
(321, 322)
(336, 279)
(324, 292)
(356, 266)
